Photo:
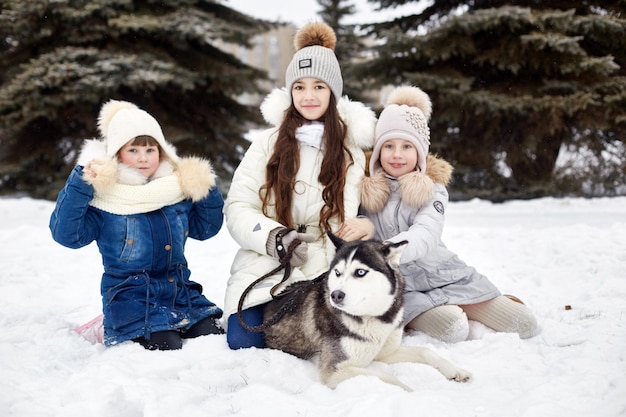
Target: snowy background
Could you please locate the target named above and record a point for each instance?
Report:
(549, 252)
(301, 12)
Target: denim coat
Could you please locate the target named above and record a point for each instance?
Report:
(146, 284)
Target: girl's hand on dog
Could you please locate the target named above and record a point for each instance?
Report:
(359, 228)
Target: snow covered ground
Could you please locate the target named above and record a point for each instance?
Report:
(551, 253)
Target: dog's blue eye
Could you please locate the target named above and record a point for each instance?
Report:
(360, 272)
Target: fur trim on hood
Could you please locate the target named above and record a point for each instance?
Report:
(416, 189)
(195, 175)
(360, 119)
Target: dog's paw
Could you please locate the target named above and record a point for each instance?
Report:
(461, 375)
(453, 372)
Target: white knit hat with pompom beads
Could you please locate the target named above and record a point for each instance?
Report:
(405, 116)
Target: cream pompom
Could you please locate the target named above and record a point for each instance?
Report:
(110, 109)
(412, 97)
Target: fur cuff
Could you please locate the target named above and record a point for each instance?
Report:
(196, 177)
(106, 174)
(374, 192)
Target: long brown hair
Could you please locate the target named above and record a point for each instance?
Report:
(280, 173)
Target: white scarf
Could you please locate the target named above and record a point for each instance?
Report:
(311, 134)
(126, 199)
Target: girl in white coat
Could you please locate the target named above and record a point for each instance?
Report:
(406, 198)
(297, 180)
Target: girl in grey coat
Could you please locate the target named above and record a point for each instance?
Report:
(405, 196)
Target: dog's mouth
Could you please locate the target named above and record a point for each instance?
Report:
(338, 306)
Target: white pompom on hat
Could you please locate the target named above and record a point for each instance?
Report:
(315, 57)
(405, 116)
(122, 121)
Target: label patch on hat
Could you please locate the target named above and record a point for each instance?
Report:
(305, 63)
(438, 205)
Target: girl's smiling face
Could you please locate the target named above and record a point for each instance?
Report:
(145, 158)
(311, 97)
(398, 157)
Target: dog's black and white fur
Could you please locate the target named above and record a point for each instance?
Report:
(351, 316)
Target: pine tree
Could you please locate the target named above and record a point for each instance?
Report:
(513, 84)
(60, 61)
(350, 45)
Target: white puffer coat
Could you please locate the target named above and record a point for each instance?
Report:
(250, 227)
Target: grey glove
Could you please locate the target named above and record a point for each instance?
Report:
(281, 238)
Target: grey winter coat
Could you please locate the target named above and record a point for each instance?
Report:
(412, 208)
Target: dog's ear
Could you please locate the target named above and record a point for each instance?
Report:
(393, 252)
(337, 241)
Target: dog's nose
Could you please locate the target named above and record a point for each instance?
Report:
(337, 296)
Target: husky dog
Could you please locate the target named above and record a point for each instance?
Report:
(350, 316)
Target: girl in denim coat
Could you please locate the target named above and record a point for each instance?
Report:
(139, 201)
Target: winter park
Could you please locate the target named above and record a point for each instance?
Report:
(157, 158)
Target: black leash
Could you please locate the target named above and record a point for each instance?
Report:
(285, 263)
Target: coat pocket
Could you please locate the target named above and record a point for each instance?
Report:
(126, 303)
(129, 239)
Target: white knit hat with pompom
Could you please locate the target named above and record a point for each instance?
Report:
(121, 121)
(405, 116)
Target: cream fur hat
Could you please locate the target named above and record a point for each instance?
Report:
(121, 121)
(405, 116)
(315, 57)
